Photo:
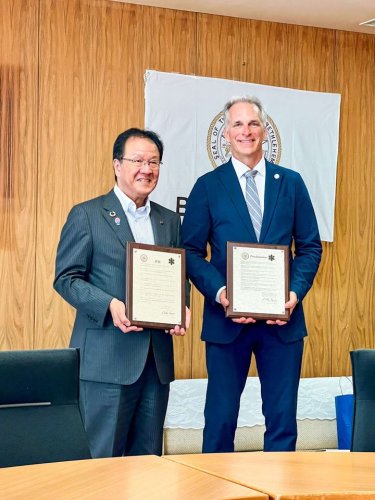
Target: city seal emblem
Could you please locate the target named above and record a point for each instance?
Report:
(219, 150)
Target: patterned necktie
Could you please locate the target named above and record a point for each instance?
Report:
(252, 201)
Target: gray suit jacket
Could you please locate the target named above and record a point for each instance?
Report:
(90, 271)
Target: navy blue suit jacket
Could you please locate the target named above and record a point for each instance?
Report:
(216, 212)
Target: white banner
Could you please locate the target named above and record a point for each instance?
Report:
(302, 134)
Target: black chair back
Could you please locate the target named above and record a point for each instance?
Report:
(363, 368)
(40, 420)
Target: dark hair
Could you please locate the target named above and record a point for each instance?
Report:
(119, 145)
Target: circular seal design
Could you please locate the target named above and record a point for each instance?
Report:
(245, 256)
(219, 150)
(144, 257)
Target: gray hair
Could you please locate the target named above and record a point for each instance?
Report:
(250, 100)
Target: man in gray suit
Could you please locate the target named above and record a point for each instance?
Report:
(125, 370)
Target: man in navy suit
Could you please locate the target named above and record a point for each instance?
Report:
(216, 213)
(125, 371)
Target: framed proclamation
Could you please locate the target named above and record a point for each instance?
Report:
(257, 281)
(155, 286)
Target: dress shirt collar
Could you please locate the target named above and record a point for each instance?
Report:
(130, 207)
(241, 169)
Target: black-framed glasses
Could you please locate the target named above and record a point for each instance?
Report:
(153, 164)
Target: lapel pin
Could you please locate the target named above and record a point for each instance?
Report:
(161, 222)
(276, 176)
(117, 221)
(112, 213)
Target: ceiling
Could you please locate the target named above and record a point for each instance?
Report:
(337, 14)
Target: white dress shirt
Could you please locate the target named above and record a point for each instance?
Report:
(138, 218)
(260, 180)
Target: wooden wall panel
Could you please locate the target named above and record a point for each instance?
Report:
(311, 63)
(353, 270)
(71, 75)
(87, 97)
(239, 49)
(94, 55)
(311, 59)
(18, 170)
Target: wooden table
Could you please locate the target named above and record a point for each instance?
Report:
(129, 478)
(300, 475)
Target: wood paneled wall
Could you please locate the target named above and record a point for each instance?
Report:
(71, 78)
(18, 171)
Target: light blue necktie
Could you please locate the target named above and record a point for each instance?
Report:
(252, 201)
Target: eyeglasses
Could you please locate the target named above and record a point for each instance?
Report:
(153, 164)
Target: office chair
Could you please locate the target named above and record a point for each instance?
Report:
(40, 420)
(363, 369)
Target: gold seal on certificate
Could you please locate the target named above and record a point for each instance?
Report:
(257, 281)
(155, 286)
